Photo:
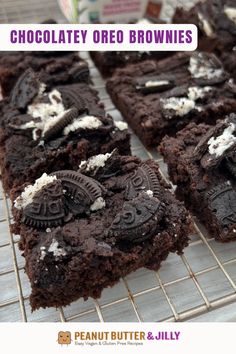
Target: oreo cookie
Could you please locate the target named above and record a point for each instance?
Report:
(47, 208)
(56, 129)
(71, 98)
(26, 88)
(154, 84)
(80, 191)
(222, 201)
(138, 220)
(208, 70)
(205, 151)
(143, 179)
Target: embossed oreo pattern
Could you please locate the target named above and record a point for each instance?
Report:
(222, 201)
(143, 179)
(138, 219)
(47, 208)
(80, 191)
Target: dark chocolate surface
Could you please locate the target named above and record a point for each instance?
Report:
(201, 161)
(158, 98)
(31, 143)
(74, 249)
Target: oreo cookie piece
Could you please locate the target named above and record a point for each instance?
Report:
(217, 144)
(207, 69)
(154, 84)
(47, 208)
(56, 129)
(102, 166)
(25, 89)
(81, 192)
(143, 179)
(71, 98)
(222, 201)
(138, 220)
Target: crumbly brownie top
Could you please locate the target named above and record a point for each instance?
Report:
(120, 199)
(216, 20)
(174, 87)
(51, 118)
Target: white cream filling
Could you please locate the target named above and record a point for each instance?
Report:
(202, 71)
(95, 161)
(217, 146)
(149, 193)
(49, 113)
(205, 25)
(29, 192)
(121, 125)
(230, 12)
(180, 105)
(195, 92)
(56, 249)
(86, 122)
(156, 83)
(98, 204)
(143, 21)
(183, 105)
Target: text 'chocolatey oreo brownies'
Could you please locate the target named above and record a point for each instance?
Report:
(83, 230)
(159, 98)
(44, 130)
(202, 162)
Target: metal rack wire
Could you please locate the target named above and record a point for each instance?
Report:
(202, 279)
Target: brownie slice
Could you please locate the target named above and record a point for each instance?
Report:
(44, 129)
(216, 22)
(83, 230)
(158, 98)
(201, 162)
(108, 61)
(54, 68)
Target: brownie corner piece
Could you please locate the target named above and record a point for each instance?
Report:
(161, 97)
(44, 129)
(81, 231)
(216, 23)
(201, 161)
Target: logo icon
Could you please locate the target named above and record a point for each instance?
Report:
(64, 338)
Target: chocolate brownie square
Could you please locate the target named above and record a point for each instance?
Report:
(107, 62)
(45, 129)
(53, 68)
(202, 163)
(216, 22)
(83, 230)
(161, 97)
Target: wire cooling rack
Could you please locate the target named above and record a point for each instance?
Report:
(186, 286)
